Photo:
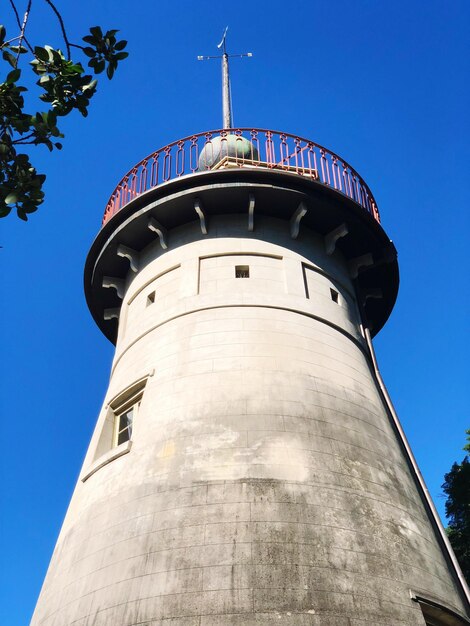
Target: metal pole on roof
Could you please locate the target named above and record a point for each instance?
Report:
(226, 99)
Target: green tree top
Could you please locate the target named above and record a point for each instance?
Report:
(64, 86)
(457, 489)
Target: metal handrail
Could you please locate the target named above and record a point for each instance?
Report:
(253, 148)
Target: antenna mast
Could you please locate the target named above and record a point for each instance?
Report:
(226, 100)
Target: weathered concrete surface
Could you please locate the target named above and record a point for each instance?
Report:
(265, 482)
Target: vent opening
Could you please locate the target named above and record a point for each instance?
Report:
(242, 271)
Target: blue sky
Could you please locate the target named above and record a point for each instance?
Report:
(383, 84)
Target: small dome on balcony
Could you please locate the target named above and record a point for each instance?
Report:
(219, 147)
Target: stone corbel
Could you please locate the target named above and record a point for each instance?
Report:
(251, 212)
(332, 237)
(115, 283)
(295, 220)
(202, 217)
(372, 293)
(110, 314)
(161, 231)
(366, 260)
(130, 254)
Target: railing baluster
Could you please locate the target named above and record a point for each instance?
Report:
(315, 164)
(358, 195)
(167, 164)
(310, 158)
(334, 166)
(180, 159)
(284, 152)
(153, 172)
(143, 178)
(297, 150)
(346, 180)
(208, 147)
(269, 146)
(255, 147)
(193, 154)
(363, 197)
(133, 185)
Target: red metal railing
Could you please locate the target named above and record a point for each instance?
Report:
(244, 147)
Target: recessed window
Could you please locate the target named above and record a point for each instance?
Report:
(117, 428)
(242, 271)
(436, 614)
(334, 295)
(151, 298)
(120, 418)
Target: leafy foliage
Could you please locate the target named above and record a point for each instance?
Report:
(457, 489)
(64, 86)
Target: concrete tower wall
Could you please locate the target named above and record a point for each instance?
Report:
(264, 481)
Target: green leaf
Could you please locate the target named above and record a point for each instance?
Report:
(89, 39)
(76, 68)
(121, 55)
(41, 53)
(90, 52)
(96, 32)
(9, 58)
(38, 66)
(3, 32)
(90, 86)
(99, 67)
(11, 198)
(120, 45)
(20, 49)
(13, 76)
(21, 214)
(110, 71)
(55, 56)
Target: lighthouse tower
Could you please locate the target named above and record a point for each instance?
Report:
(247, 466)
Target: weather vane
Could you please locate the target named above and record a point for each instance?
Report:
(226, 96)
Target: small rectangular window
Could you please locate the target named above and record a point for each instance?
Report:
(334, 295)
(151, 298)
(242, 271)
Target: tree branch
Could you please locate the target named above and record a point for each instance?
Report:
(23, 28)
(62, 26)
(15, 11)
(22, 139)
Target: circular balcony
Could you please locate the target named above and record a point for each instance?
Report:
(242, 148)
(260, 173)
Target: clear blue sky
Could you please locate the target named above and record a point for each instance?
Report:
(384, 84)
